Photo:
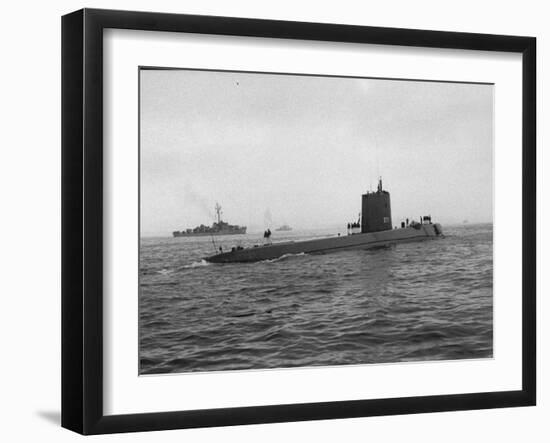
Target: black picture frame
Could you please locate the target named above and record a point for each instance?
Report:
(82, 219)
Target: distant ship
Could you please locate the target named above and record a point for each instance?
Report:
(218, 228)
(373, 229)
(284, 228)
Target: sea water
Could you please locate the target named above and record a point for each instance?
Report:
(422, 301)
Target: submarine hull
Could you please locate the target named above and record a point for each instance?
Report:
(329, 244)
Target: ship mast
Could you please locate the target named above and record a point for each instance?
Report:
(218, 212)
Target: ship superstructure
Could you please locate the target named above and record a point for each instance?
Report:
(219, 227)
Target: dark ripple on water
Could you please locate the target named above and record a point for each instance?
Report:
(419, 301)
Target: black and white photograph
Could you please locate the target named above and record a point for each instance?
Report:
(295, 221)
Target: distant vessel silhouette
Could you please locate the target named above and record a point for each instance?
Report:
(219, 227)
(284, 228)
(373, 229)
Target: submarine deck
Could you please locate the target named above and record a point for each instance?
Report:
(318, 246)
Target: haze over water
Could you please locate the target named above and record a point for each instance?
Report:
(306, 147)
(429, 300)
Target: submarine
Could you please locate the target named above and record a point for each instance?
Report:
(373, 229)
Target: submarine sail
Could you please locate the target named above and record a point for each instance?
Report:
(376, 210)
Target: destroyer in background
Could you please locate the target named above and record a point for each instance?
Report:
(374, 229)
(218, 228)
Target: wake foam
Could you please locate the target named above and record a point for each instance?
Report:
(197, 264)
(284, 257)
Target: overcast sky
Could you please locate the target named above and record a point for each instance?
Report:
(305, 148)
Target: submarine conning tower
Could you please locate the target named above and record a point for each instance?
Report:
(376, 210)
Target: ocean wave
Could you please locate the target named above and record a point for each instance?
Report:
(419, 301)
(165, 271)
